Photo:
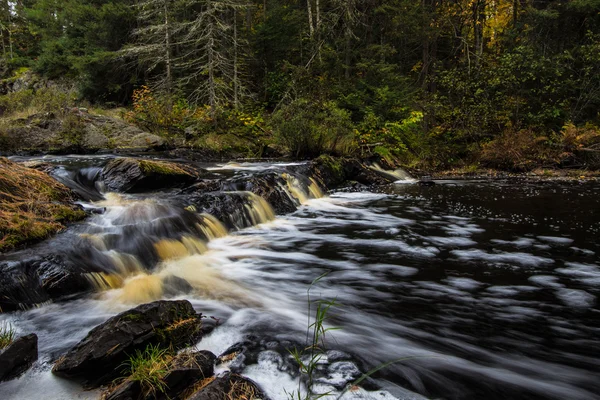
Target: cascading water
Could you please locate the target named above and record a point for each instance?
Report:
(479, 290)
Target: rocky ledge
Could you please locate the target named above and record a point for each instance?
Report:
(134, 354)
(33, 206)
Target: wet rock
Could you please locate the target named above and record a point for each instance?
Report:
(328, 170)
(361, 173)
(39, 279)
(18, 357)
(135, 175)
(99, 357)
(236, 210)
(229, 386)
(271, 186)
(127, 390)
(184, 371)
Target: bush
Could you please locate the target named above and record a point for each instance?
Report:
(519, 150)
(29, 102)
(308, 129)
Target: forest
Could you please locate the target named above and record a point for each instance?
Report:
(507, 84)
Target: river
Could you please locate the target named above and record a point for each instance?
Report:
(476, 289)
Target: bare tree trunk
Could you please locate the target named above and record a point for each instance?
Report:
(169, 81)
(478, 25)
(235, 63)
(311, 26)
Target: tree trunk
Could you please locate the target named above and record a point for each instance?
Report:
(311, 26)
(169, 76)
(235, 63)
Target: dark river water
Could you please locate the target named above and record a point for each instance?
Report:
(477, 289)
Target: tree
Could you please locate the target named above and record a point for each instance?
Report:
(155, 45)
(211, 56)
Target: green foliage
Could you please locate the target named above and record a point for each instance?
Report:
(308, 128)
(28, 102)
(8, 334)
(149, 367)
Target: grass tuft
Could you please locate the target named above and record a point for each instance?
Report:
(149, 368)
(8, 335)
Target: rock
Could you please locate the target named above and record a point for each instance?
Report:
(76, 130)
(33, 206)
(18, 357)
(127, 390)
(99, 357)
(361, 173)
(328, 170)
(236, 210)
(38, 279)
(229, 386)
(135, 175)
(268, 185)
(184, 371)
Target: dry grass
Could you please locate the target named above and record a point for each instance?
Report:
(242, 391)
(198, 387)
(33, 206)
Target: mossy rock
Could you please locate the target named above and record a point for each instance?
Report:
(33, 206)
(135, 175)
(100, 356)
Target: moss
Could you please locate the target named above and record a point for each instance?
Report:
(132, 317)
(333, 164)
(33, 206)
(160, 168)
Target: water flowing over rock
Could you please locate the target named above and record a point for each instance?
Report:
(131, 242)
(18, 357)
(135, 175)
(99, 357)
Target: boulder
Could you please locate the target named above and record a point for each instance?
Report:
(18, 357)
(99, 357)
(135, 175)
(38, 279)
(184, 371)
(76, 130)
(229, 386)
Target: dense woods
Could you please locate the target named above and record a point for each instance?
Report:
(506, 83)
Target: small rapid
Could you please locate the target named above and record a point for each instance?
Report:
(474, 289)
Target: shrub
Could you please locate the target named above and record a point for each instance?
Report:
(309, 128)
(519, 150)
(29, 102)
